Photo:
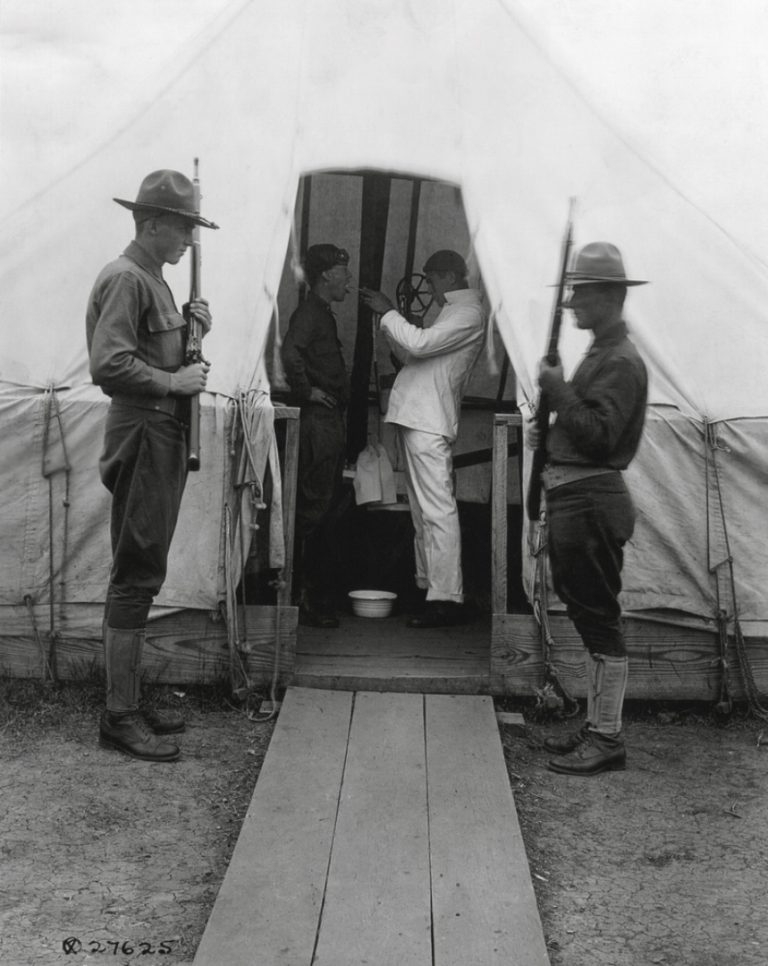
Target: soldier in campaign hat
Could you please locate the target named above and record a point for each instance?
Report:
(136, 345)
(589, 512)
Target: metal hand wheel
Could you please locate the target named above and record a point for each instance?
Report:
(413, 297)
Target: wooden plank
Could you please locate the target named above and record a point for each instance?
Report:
(665, 662)
(268, 908)
(484, 907)
(401, 684)
(377, 907)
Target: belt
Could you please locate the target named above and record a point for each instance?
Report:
(176, 406)
(558, 475)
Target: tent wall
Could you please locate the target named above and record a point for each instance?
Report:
(691, 521)
(57, 501)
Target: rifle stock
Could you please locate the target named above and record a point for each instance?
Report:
(539, 459)
(194, 349)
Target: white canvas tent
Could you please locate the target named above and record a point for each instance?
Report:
(455, 92)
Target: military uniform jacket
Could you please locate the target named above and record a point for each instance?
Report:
(135, 333)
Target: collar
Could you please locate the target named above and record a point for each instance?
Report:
(314, 297)
(459, 295)
(142, 258)
(612, 335)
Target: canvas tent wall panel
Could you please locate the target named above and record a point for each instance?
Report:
(679, 536)
(667, 561)
(80, 536)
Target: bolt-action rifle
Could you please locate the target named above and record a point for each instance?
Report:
(533, 501)
(194, 348)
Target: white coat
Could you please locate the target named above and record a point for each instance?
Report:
(438, 360)
(425, 403)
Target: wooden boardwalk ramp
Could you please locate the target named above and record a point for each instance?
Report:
(383, 832)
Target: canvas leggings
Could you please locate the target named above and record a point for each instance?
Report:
(144, 467)
(588, 523)
(435, 514)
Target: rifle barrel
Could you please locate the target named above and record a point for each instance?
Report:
(194, 336)
(533, 500)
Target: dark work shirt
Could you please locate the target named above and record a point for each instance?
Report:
(312, 354)
(601, 411)
(134, 331)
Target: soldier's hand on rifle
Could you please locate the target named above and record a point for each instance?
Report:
(190, 380)
(550, 376)
(532, 434)
(198, 309)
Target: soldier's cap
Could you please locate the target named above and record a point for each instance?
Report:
(167, 193)
(322, 258)
(446, 260)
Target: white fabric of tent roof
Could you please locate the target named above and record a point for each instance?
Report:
(456, 91)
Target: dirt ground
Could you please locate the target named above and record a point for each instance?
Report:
(107, 859)
(664, 863)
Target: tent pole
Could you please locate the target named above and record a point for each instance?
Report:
(373, 237)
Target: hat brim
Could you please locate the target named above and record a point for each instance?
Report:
(575, 282)
(604, 281)
(190, 216)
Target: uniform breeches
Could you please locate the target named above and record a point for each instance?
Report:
(435, 515)
(589, 522)
(319, 500)
(144, 468)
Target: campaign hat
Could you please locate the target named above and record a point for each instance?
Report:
(599, 263)
(169, 193)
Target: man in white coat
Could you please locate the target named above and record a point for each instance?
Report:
(425, 404)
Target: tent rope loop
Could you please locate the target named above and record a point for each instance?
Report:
(553, 696)
(240, 523)
(237, 669)
(29, 603)
(53, 463)
(720, 566)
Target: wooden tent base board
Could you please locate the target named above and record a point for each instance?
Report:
(504, 656)
(182, 647)
(499, 655)
(382, 830)
(666, 662)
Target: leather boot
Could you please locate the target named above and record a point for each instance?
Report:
(129, 733)
(597, 753)
(603, 747)
(565, 744)
(121, 726)
(164, 722)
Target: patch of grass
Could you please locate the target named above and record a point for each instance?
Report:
(31, 705)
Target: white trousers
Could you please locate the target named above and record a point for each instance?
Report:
(435, 515)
